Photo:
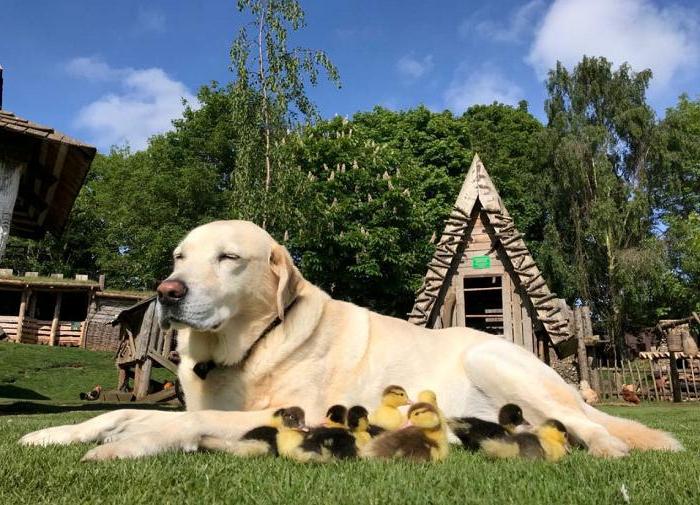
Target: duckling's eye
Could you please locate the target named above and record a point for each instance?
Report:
(228, 256)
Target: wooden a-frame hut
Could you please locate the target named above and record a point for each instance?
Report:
(483, 276)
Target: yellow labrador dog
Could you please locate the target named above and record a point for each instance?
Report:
(255, 336)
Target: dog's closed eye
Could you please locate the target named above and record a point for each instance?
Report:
(228, 256)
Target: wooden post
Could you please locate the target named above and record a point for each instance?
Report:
(88, 313)
(582, 357)
(142, 379)
(10, 174)
(675, 382)
(22, 311)
(56, 319)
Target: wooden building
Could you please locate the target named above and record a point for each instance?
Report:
(57, 311)
(483, 276)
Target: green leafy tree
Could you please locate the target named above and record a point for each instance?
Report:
(276, 73)
(371, 211)
(599, 136)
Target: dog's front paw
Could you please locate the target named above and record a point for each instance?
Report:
(123, 449)
(59, 435)
(608, 447)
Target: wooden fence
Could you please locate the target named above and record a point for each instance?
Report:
(651, 377)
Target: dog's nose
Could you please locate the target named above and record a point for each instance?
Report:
(171, 291)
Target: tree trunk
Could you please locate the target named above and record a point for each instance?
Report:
(9, 187)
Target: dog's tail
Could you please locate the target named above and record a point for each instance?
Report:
(635, 434)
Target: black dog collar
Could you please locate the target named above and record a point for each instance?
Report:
(202, 368)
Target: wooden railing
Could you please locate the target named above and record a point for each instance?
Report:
(651, 377)
(9, 326)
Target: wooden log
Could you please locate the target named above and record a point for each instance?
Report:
(26, 293)
(54, 322)
(653, 378)
(460, 212)
(675, 382)
(645, 382)
(581, 355)
(440, 262)
(165, 363)
(692, 375)
(142, 379)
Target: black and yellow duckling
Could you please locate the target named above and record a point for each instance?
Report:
(548, 441)
(336, 417)
(424, 440)
(472, 431)
(319, 444)
(358, 423)
(388, 416)
(261, 440)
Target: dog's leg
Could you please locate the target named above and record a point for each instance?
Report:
(506, 373)
(187, 433)
(104, 427)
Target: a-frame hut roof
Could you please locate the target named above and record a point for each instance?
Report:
(478, 193)
(54, 168)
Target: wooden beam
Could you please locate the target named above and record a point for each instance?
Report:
(56, 318)
(57, 169)
(26, 293)
(142, 379)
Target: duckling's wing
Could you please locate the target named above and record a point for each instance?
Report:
(374, 430)
(530, 446)
(471, 431)
(408, 442)
(338, 441)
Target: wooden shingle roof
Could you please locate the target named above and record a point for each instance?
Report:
(54, 167)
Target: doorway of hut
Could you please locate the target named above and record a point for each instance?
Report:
(483, 303)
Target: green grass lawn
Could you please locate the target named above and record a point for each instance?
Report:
(36, 375)
(39, 372)
(55, 475)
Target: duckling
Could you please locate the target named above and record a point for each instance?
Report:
(324, 444)
(358, 422)
(429, 396)
(289, 440)
(548, 442)
(336, 417)
(424, 440)
(261, 440)
(388, 416)
(472, 431)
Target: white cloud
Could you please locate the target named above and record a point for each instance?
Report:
(92, 69)
(480, 86)
(414, 68)
(146, 103)
(520, 23)
(664, 39)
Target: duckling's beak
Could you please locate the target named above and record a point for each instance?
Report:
(406, 424)
(326, 421)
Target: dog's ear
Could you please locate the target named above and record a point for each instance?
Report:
(288, 277)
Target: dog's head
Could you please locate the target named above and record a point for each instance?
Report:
(223, 271)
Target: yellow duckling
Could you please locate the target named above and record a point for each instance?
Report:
(388, 416)
(358, 422)
(429, 396)
(548, 441)
(424, 440)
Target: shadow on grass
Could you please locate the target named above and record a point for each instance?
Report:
(10, 391)
(26, 407)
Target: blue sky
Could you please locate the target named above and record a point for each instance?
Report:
(110, 72)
